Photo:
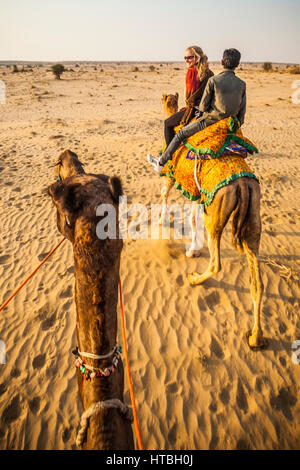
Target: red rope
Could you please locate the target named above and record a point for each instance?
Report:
(138, 434)
(136, 423)
(30, 276)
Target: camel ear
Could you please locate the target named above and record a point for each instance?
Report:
(72, 198)
(176, 95)
(115, 187)
(55, 190)
(164, 97)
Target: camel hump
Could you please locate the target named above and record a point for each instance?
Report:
(115, 187)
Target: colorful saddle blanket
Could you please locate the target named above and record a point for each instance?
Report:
(218, 152)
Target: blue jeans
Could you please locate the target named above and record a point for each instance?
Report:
(183, 134)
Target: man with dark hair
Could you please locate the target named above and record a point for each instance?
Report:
(224, 96)
(231, 58)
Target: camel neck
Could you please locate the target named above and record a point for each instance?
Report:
(96, 296)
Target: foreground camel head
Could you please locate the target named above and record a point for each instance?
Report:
(76, 199)
(170, 103)
(68, 164)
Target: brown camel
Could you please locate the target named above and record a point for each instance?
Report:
(241, 198)
(106, 421)
(170, 104)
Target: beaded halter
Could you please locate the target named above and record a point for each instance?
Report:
(91, 372)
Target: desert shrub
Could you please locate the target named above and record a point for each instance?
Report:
(295, 69)
(135, 69)
(15, 69)
(57, 70)
(152, 68)
(267, 66)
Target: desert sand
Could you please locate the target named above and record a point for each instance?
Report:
(197, 384)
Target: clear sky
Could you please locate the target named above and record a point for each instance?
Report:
(148, 30)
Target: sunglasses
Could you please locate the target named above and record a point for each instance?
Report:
(189, 57)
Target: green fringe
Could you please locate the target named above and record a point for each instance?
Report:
(209, 194)
(232, 128)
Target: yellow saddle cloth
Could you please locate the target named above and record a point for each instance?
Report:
(218, 161)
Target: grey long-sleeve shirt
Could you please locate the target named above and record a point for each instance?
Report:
(224, 96)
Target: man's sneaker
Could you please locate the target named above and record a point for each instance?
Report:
(155, 163)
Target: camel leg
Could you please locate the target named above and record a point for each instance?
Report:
(251, 241)
(215, 219)
(194, 250)
(167, 186)
(256, 339)
(214, 263)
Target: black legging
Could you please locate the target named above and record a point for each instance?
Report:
(172, 122)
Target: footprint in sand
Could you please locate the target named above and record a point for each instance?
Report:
(15, 372)
(216, 348)
(34, 404)
(225, 395)
(39, 361)
(179, 280)
(66, 293)
(4, 259)
(282, 361)
(172, 387)
(66, 434)
(242, 444)
(284, 401)
(241, 399)
(282, 327)
(213, 299)
(48, 322)
(172, 435)
(43, 255)
(258, 384)
(12, 411)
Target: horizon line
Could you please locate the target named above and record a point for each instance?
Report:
(5, 62)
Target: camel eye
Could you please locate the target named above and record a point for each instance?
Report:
(68, 222)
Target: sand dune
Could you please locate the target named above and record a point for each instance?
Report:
(197, 384)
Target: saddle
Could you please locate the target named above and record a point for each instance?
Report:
(216, 156)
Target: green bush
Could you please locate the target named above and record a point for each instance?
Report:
(295, 69)
(267, 66)
(58, 70)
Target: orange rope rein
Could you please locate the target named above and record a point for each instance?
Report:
(30, 276)
(138, 434)
(136, 423)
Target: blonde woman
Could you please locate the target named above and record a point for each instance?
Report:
(197, 75)
(224, 96)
